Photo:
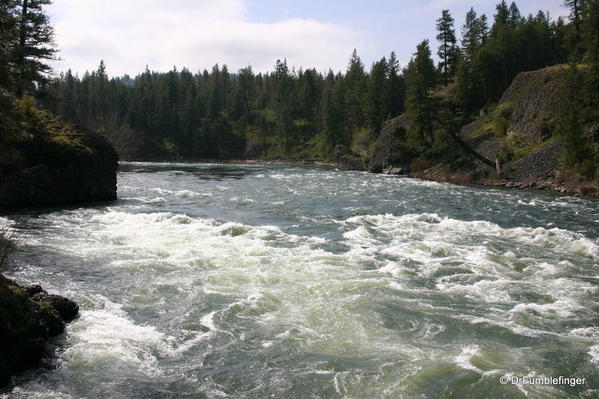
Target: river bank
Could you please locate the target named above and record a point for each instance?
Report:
(570, 187)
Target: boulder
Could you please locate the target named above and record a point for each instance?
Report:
(28, 318)
(390, 170)
(346, 159)
(66, 308)
(388, 154)
(47, 161)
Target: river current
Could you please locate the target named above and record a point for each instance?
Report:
(253, 281)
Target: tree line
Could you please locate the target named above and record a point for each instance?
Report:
(219, 114)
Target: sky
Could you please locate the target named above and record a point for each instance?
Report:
(160, 34)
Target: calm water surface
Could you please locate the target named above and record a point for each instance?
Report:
(234, 281)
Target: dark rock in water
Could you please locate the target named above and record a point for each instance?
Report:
(47, 161)
(34, 289)
(390, 170)
(66, 308)
(28, 318)
(346, 159)
(388, 154)
(93, 178)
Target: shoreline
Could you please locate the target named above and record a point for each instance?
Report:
(284, 162)
(558, 186)
(459, 178)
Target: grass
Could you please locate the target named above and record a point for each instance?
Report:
(497, 120)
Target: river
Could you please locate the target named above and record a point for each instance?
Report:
(253, 281)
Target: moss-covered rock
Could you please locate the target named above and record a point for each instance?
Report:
(46, 161)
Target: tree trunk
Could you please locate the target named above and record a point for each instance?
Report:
(471, 151)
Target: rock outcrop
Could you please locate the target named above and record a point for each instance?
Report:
(517, 139)
(346, 159)
(388, 155)
(46, 161)
(28, 318)
(533, 101)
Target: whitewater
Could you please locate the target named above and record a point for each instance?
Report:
(255, 281)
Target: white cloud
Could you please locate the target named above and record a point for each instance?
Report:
(193, 34)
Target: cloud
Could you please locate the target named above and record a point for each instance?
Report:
(193, 34)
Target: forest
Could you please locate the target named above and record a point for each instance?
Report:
(297, 113)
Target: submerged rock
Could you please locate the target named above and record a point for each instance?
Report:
(28, 318)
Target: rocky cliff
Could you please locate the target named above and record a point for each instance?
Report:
(520, 132)
(46, 161)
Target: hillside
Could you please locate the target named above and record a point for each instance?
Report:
(521, 133)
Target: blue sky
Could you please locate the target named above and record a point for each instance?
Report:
(199, 33)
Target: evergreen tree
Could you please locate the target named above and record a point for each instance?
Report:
(334, 129)
(514, 16)
(420, 79)
(482, 29)
(8, 36)
(356, 86)
(471, 35)
(502, 17)
(282, 101)
(395, 88)
(375, 107)
(576, 46)
(448, 51)
(34, 46)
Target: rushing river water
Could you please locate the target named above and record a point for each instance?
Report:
(235, 281)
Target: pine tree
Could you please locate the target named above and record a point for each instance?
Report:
(282, 102)
(575, 43)
(514, 15)
(333, 110)
(375, 107)
(471, 35)
(395, 88)
(34, 46)
(8, 36)
(502, 17)
(356, 86)
(483, 29)
(420, 79)
(448, 51)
